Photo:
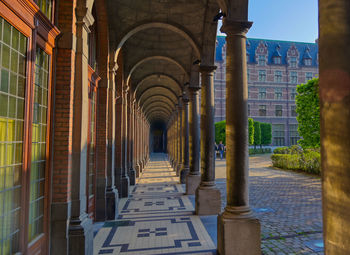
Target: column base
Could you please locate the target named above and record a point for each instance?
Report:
(238, 235)
(80, 235)
(138, 170)
(192, 183)
(174, 165)
(118, 181)
(101, 198)
(60, 214)
(178, 169)
(111, 204)
(183, 173)
(125, 185)
(208, 200)
(132, 176)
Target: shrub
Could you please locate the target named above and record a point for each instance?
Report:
(251, 131)
(308, 110)
(220, 132)
(266, 133)
(257, 133)
(281, 150)
(253, 151)
(309, 162)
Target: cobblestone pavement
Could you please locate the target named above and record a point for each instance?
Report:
(288, 205)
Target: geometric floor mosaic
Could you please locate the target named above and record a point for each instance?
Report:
(157, 218)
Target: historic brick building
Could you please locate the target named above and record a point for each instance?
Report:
(274, 70)
(85, 84)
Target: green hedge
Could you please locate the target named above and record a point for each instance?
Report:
(253, 151)
(308, 161)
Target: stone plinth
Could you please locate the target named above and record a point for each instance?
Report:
(238, 236)
(192, 183)
(208, 201)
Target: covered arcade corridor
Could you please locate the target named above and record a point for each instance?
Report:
(158, 218)
(89, 88)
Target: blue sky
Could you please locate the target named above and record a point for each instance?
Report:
(289, 20)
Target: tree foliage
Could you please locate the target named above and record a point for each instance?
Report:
(220, 132)
(257, 133)
(308, 110)
(251, 131)
(266, 133)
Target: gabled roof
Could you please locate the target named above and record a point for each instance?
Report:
(271, 46)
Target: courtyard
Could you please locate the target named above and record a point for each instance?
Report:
(288, 205)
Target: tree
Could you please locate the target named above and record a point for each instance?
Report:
(257, 134)
(308, 110)
(266, 133)
(251, 131)
(220, 132)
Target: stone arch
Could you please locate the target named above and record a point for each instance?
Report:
(168, 76)
(166, 58)
(172, 27)
(166, 105)
(163, 97)
(154, 95)
(160, 86)
(157, 109)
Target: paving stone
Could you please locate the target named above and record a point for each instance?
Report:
(294, 201)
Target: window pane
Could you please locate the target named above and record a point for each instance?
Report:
(45, 6)
(37, 179)
(11, 137)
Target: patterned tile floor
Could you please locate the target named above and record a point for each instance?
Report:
(156, 219)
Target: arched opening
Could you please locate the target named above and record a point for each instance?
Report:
(158, 137)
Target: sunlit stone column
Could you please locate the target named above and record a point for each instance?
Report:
(125, 182)
(208, 198)
(111, 191)
(139, 165)
(176, 138)
(185, 140)
(335, 121)
(238, 230)
(131, 170)
(179, 133)
(194, 177)
(80, 232)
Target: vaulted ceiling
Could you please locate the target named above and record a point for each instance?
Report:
(159, 41)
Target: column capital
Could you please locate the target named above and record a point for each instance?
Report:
(194, 88)
(236, 27)
(185, 99)
(179, 105)
(207, 69)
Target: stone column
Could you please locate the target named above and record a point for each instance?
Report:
(179, 133)
(138, 163)
(80, 232)
(238, 230)
(142, 141)
(111, 191)
(185, 141)
(193, 179)
(125, 182)
(208, 197)
(135, 141)
(176, 137)
(334, 55)
(131, 170)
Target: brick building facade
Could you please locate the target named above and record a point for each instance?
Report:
(274, 70)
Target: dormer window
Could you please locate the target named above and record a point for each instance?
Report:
(307, 62)
(307, 59)
(262, 60)
(277, 60)
(293, 62)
